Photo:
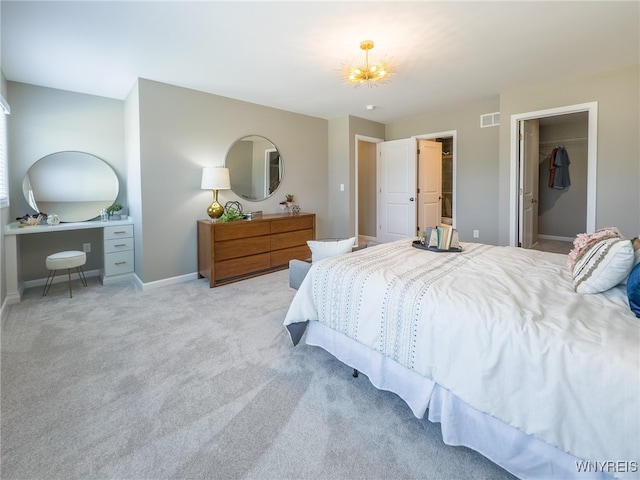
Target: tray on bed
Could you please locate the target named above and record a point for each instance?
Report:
(418, 244)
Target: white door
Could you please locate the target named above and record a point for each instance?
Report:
(529, 148)
(397, 189)
(429, 184)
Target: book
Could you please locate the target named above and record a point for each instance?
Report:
(455, 239)
(445, 238)
(440, 231)
(431, 237)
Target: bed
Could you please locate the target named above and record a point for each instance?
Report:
(492, 342)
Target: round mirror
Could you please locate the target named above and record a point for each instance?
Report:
(255, 168)
(73, 185)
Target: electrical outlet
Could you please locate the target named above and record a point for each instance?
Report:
(476, 234)
(86, 247)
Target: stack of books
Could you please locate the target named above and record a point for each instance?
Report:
(443, 237)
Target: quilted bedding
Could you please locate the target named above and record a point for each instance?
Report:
(501, 328)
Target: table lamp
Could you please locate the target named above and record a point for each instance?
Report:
(215, 178)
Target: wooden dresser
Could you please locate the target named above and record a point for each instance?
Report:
(232, 251)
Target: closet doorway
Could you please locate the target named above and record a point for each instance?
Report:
(448, 205)
(546, 214)
(366, 188)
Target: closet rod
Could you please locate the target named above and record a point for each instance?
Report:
(565, 140)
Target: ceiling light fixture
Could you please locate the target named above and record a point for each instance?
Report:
(370, 73)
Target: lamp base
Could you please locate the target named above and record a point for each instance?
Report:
(215, 210)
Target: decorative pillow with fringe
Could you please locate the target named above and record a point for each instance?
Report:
(603, 266)
(584, 241)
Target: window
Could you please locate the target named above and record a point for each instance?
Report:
(4, 173)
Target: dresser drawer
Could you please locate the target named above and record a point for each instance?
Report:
(293, 222)
(241, 266)
(280, 241)
(118, 245)
(119, 231)
(234, 230)
(118, 263)
(241, 247)
(280, 258)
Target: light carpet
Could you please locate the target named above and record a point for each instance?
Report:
(189, 382)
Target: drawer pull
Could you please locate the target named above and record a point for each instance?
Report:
(120, 245)
(120, 263)
(119, 233)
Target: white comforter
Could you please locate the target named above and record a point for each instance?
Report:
(499, 327)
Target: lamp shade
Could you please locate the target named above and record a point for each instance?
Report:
(215, 178)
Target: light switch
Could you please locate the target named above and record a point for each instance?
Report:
(342, 187)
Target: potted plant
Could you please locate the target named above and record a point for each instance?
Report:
(115, 210)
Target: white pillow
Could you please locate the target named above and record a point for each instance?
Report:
(329, 248)
(603, 266)
(636, 261)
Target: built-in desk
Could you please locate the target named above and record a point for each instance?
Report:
(117, 261)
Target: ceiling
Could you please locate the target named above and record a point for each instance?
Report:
(288, 54)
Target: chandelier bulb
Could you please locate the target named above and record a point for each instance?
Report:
(368, 73)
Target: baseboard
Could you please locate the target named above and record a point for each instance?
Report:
(367, 239)
(96, 273)
(165, 282)
(62, 277)
(555, 237)
(4, 310)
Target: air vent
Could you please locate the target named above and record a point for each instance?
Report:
(490, 120)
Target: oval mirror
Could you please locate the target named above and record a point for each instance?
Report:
(255, 168)
(73, 185)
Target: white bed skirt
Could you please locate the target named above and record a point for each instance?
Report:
(523, 455)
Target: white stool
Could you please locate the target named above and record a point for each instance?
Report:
(58, 261)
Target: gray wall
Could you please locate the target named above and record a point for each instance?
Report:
(161, 136)
(4, 212)
(158, 140)
(483, 154)
(342, 161)
(183, 130)
(618, 158)
(477, 189)
(563, 212)
(44, 121)
(367, 191)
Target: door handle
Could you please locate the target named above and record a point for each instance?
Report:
(411, 199)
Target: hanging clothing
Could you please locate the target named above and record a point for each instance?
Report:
(561, 161)
(552, 167)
